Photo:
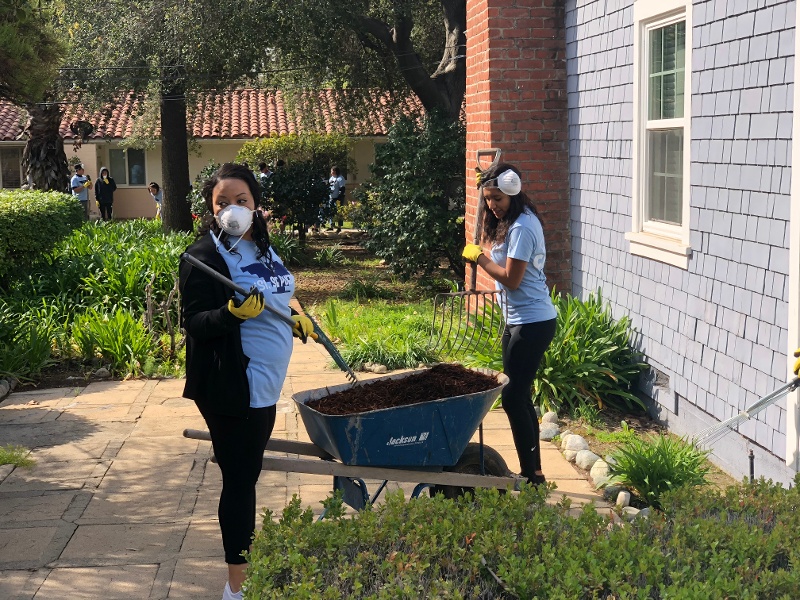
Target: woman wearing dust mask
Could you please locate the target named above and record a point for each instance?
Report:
(237, 353)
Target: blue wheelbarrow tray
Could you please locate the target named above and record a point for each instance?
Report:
(426, 435)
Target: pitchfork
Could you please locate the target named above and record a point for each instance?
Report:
(469, 319)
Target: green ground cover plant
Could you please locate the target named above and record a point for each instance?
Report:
(87, 301)
(15, 455)
(652, 466)
(703, 544)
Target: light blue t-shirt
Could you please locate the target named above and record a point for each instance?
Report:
(77, 181)
(266, 339)
(530, 302)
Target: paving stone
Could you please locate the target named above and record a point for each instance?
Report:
(127, 541)
(16, 510)
(47, 475)
(25, 543)
(198, 579)
(22, 584)
(203, 538)
(145, 448)
(135, 506)
(117, 582)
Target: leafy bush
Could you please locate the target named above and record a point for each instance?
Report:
(590, 358)
(365, 289)
(415, 199)
(32, 224)
(118, 338)
(329, 256)
(740, 544)
(15, 455)
(195, 197)
(58, 311)
(288, 248)
(655, 465)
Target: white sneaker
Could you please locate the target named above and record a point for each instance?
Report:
(227, 594)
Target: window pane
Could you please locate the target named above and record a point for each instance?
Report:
(665, 176)
(667, 71)
(136, 167)
(116, 159)
(10, 170)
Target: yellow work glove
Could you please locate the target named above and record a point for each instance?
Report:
(303, 327)
(471, 252)
(250, 307)
(796, 368)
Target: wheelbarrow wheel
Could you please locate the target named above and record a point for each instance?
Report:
(470, 462)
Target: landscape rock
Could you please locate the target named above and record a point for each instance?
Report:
(548, 431)
(564, 437)
(599, 470)
(585, 459)
(623, 498)
(5, 388)
(380, 369)
(576, 443)
(550, 417)
(629, 513)
(102, 373)
(610, 492)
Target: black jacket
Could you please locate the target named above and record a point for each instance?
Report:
(216, 366)
(104, 192)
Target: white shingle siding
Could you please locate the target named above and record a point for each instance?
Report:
(718, 329)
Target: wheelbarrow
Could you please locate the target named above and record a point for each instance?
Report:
(426, 443)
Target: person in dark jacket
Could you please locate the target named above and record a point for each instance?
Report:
(237, 353)
(104, 193)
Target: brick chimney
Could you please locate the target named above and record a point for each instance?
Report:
(516, 100)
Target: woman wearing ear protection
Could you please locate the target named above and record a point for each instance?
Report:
(513, 229)
(237, 353)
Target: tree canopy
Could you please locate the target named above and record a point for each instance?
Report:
(169, 50)
(359, 46)
(30, 50)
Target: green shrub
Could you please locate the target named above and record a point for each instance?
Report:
(655, 465)
(329, 256)
(15, 455)
(117, 338)
(32, 224)
(413, 206)
(195, 197)
(740, 544)
(365, 289)
(590, 358)
(288, 248)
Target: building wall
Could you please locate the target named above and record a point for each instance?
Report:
(134, 201)
(715, 333)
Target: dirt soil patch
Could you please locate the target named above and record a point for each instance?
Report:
(440, 381)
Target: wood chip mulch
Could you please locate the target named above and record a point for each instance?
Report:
(438, 382)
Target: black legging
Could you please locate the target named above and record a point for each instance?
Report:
(239, 447)
(105, 211)
(523, 349)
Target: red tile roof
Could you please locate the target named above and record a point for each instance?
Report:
(231, 114)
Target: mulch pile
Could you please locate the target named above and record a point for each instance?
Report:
(440, 381)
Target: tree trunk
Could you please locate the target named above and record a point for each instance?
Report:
(176, 213)
(43, 160)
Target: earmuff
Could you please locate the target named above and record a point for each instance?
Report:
(507, 182)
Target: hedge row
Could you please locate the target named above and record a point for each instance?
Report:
(32, 223)
(738, 544)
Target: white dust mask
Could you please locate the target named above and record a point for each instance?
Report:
(235, 220)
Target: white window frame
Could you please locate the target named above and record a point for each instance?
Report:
(127, 167)
(658, 241)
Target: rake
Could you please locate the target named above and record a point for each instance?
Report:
(318, 335)
(469, 320)
(712, 434)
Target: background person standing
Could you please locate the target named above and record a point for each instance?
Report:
(80, 185)
(336, 183)
(104, 193)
